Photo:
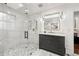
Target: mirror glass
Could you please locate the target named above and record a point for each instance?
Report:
(52, 22)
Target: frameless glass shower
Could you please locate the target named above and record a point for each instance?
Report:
(7, 25)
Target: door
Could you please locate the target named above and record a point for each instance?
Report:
(76, 32)
(7, 24)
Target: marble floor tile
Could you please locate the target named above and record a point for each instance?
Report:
(28, 50)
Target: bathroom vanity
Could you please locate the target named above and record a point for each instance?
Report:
(52, 43)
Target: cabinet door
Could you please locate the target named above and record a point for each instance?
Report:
(43, 42)
(57, 43)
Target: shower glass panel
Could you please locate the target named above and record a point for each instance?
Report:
(7, 24)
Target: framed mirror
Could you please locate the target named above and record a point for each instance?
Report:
(52, 22)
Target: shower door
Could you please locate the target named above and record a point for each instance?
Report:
(7, 24)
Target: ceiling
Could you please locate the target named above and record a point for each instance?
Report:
(32, 8)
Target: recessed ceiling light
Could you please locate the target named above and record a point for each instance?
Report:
(8, 12)
(40, 5)
(26, 10)
(20, 5)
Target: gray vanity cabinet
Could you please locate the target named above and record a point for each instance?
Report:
(52, 43)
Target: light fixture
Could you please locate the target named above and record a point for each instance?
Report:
(52, 16)
(8, 12)
(20, 5)
(40, 5)
(55, 15)
(26, 11)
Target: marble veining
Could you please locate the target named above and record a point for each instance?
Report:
(30, 50)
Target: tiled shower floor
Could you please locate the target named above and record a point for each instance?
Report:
(28, 51)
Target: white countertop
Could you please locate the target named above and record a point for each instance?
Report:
(57, 34)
